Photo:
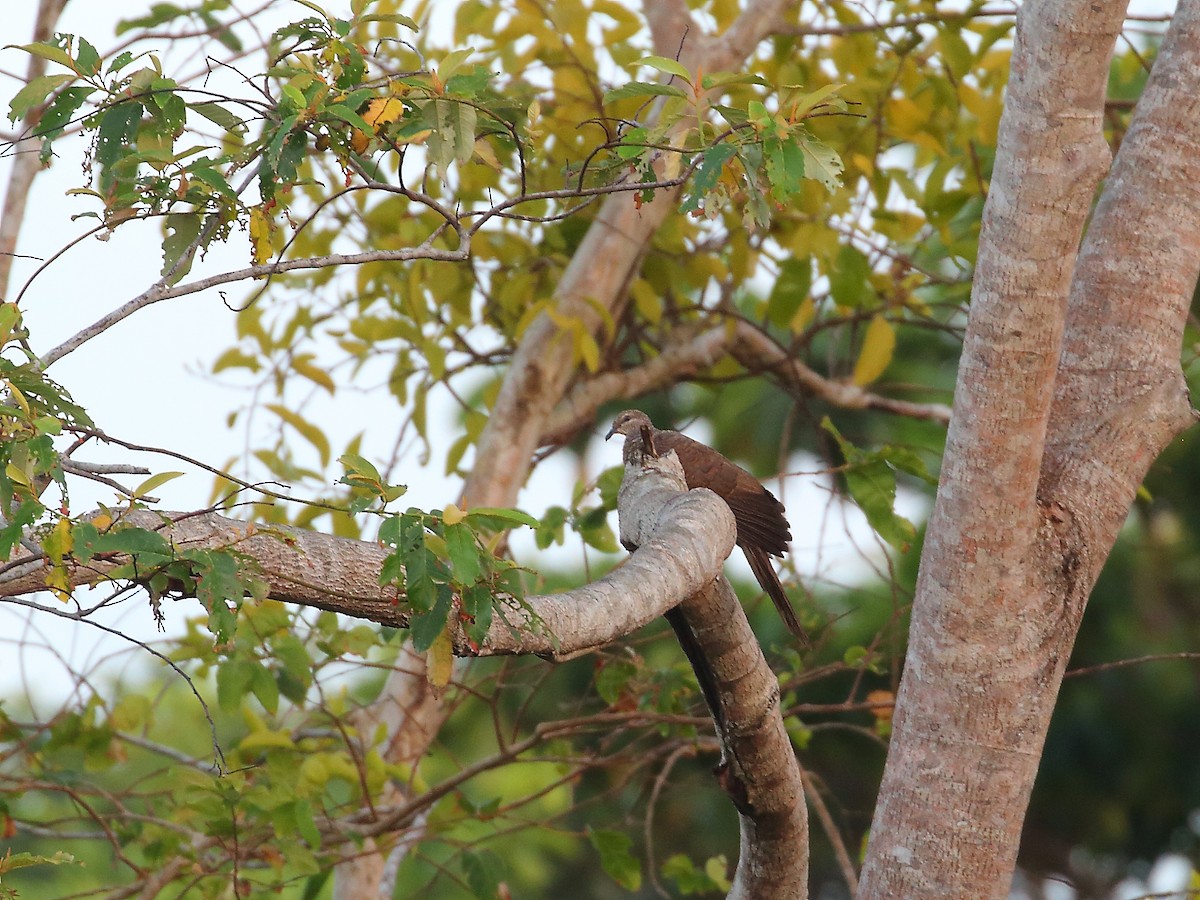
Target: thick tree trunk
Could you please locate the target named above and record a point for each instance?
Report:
(1068, 388)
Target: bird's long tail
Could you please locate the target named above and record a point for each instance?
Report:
(760, 565)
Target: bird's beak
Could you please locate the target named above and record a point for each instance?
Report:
(611, 432)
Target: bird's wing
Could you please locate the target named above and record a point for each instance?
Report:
(759, 515)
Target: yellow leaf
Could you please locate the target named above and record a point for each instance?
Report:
(59, 583)
(804, 315)
(311, 432)
(417, 137)
(452, 515)
(906, 117)
(155, 481)
(59, 542)
(302, 364)
(439, 660)
(487, 155)
(261, 226)
(382, 110)
(588, 349)
(17, 474)
(878, 344)
(647, 300)
(102, 521)
(18, 396)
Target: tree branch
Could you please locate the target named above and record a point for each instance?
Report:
(25, 165)
(342, 575)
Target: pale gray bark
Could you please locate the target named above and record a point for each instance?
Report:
(342, 575)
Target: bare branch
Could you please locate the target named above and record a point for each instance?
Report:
(342, 575)
(25, 165)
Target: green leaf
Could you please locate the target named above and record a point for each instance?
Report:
(484, 872)
(452, 61)
(469, 84)
(426, 627)
(416, 557)
(34, 94)
(394, 18)
(58, 115)
(669, 66)
(785, 166)
(180, 246)
(202, 171)
(159, 14)
(725, 79)
(265, 689)
(275, 144)
(306, 825)
(848, 280)
(346, 113)
(550, 529)
(118, 125)
(608, 484)
(51, 52)
(87, 60)
(132, 541)
(24, 860)
(359, 466)
(612, 681)
(287, 167)
(643, 89)
(234, 677)
(708, 173)
(908, 461)
(464, 553)
(155, 481)
(489, 516)
(477, 607)
(633, 143)
(452, 134)
(687, 877)
(614, 848)
(956, 52)
(120, 61)
(219, 115)
(806, 103)
(871, 483)
(821, 162)
(792, 287)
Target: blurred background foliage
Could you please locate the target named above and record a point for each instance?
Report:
(592, 778)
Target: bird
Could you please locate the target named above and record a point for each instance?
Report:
(762, 526)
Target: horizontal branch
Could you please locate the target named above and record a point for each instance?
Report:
(342, 575)
(693, 351)
(755, 350)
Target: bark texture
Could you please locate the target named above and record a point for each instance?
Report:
(758, 769)
(694, 536)
(1068, 388)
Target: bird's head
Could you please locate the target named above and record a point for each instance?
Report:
(628, 422)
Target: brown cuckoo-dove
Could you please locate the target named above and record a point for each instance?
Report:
(762, 529)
